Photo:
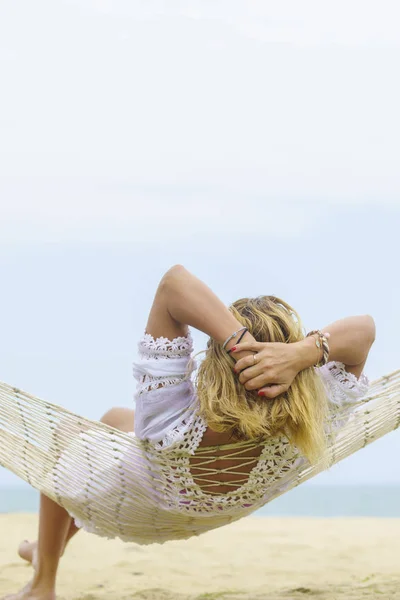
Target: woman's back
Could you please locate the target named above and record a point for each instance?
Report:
(221, 465)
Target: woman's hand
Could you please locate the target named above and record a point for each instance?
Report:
(272, 366)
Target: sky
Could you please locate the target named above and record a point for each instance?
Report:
(256, 143)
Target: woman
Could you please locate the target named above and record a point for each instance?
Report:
(257, 388)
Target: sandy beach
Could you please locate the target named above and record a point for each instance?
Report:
(257, 558)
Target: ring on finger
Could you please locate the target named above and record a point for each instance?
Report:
(254, 358)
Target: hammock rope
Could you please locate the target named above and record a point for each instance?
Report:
(35, 434)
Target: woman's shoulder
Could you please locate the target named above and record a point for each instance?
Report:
(342, 386)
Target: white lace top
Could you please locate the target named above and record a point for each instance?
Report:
(145, 492)
(167, 419)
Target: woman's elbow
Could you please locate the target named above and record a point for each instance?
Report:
(173, 275)
(176, 270)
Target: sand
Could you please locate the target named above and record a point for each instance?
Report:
(254, 559)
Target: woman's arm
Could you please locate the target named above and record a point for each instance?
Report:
(182, 300)
(277, 364)
(350, 342)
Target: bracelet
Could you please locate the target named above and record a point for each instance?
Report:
(231, 337)
(321, 342)
(239, 340)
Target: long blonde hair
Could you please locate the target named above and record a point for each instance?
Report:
(299, 414)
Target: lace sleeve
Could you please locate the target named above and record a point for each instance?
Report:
(162, 362)
(342, 388)
(166, 402)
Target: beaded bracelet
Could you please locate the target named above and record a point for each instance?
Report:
(231, 337)
(321, 342)
(245, 330)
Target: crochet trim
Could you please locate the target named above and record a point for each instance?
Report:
(341, 386)
(162, 347)
(150, 383)
(345, 378)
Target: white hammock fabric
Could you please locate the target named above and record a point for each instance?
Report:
(41, 442)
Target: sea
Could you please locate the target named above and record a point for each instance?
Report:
(303, 501)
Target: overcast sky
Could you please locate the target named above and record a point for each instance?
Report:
(255, 142)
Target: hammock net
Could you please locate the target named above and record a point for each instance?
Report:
(34, 434)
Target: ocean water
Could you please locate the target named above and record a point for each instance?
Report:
(304, 501)
(336, 501)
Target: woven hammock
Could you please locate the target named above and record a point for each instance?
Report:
(34, 434)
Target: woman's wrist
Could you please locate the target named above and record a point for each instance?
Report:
(238, 355)
(308, 354)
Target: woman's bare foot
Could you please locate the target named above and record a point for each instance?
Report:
(33, 591)
(28, 551)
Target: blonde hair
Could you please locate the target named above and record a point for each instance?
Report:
(299, 414)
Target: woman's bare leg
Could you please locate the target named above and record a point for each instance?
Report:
(56, 528)
(54, 523)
